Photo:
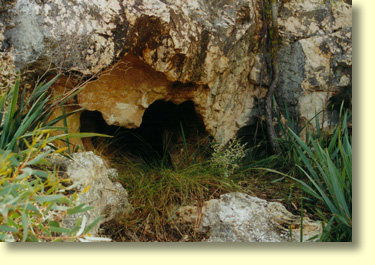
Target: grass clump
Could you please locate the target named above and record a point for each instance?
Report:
(157, 191)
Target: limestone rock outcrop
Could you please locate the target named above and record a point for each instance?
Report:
(316, 55)
(210, 52)
(93, 186)
(238, 217)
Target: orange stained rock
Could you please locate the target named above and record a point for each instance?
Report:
(124, 91)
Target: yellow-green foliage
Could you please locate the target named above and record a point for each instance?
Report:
(33, 202)
(32, 197)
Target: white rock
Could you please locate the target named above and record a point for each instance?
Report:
(94, 188)
(238, 217)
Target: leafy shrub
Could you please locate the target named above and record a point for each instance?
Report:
(33, 200)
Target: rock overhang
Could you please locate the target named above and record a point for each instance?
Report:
(212, 49)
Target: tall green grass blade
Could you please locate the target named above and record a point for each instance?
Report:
(326, 234)
(74, 135)
(42, 89)
(2, 104)
(317, 150)
(24, 127)
(299, 182)
(13, 103)
(301, 222)
(301, 143)
(323, 196)
(23, 105)
(185, 144)
(72, 95)
(307, 163)
(66, 126)
(333, 142)
(338, 191)
(62, 117)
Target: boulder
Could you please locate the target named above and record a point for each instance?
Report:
(238, 217)
(93, 187)
(137, 52)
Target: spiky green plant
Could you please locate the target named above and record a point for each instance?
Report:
(329, 179)
(20, 117)
(326, 164)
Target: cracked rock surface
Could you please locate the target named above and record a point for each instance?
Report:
(238, 217)
(209, 52)
(93, 186)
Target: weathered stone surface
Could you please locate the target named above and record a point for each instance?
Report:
(204, 51)
(304, 19)
(238, 217)
(315, 57)
(126, 90)
(91, 177)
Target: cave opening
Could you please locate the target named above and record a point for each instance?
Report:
(167, 133)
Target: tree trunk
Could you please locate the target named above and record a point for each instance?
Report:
(275, 80)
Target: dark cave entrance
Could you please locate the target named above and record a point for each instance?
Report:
(167, 131)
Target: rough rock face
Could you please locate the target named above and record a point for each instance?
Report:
(238, 217)
(316, 56)
(206, 51)
(126, 90)
(94, 188)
